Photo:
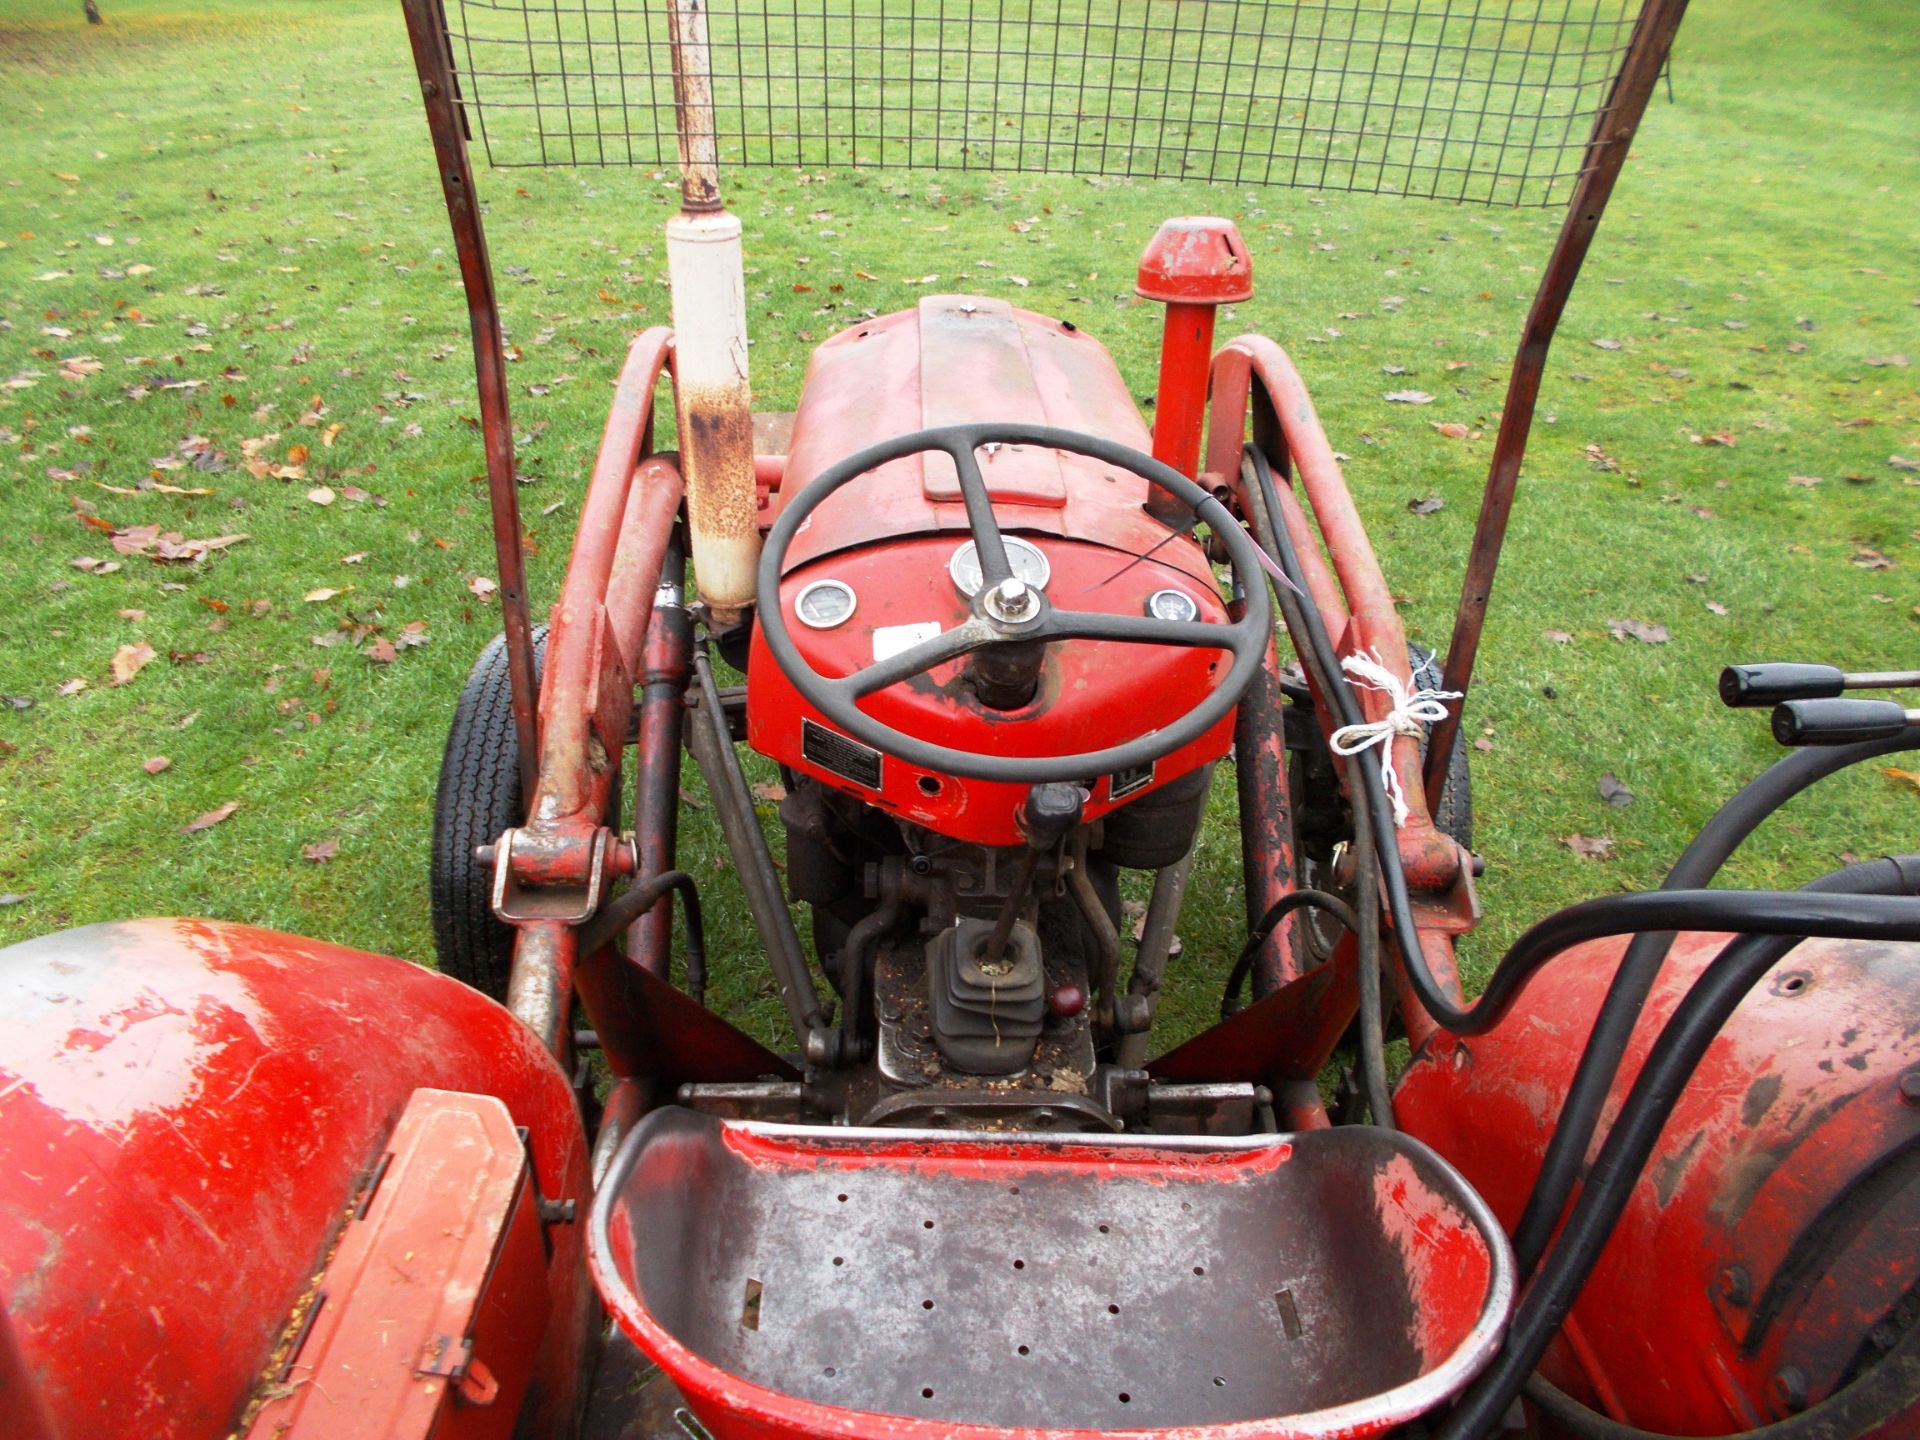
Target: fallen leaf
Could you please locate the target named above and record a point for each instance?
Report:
(325, 592)
(769, 792)
(1605, 344)
(1868, 559)
(321, 495)
(1558, 637)
(382, 652)
(1880, 362)
(321, 852)
(482, 587)
(1426, 506)
(1452, 429)
(129, 660)
(1716, 607)
(156, 764)
(1613, 791)
(1908, 777)
(210, 819)
(71, 687)
(1639, 630)
(1807, 480)
(1409, 397)
(1589, 847)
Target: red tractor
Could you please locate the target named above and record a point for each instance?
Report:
(1661, 1177)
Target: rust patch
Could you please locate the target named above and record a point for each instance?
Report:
(716, 437)
(1668, 1174)
(1760, 1097)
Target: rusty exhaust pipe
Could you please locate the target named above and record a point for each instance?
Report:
(713, 399)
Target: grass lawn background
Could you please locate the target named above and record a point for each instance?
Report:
(221, 241)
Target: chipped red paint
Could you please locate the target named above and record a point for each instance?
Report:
(1449, 1266)
(1774, 1227)
(186, 1108)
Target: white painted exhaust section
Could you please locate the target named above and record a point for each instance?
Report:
(715, 404)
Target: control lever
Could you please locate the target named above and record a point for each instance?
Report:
(1050, 813)
(1744, 686)
(1839, 721)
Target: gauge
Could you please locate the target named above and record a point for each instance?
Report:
(1027, 561)
(1172, 605)
(824, 604)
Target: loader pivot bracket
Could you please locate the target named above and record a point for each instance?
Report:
(1010, 618)
(557, 876)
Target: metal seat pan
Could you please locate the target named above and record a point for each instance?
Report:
(1336, 1282)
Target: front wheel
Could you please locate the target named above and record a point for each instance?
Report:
(478, 798)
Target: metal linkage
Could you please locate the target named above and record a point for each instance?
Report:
(1474, 100)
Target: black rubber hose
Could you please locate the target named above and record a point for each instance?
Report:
(1276, 912)
(1863, 1405)
(1373, 1038)
(636, 900)
(1670, 1063)
(1640, 966)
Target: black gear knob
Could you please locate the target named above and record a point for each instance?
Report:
(1052, 809)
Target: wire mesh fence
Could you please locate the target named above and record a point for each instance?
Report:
(1474, 100)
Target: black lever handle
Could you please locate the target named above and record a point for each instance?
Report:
(1839, 722)
(1754, 685)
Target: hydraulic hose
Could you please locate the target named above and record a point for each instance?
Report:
(1373, 1041)
(635, 901)
(1670, 1063)
(1276, 912)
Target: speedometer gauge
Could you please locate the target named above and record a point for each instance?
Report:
(1027, 562)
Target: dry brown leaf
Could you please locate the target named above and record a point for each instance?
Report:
(156, 764)
(210, 819)
(130, 660)
(321, 852)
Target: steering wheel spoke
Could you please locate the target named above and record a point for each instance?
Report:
(987, 541)
(916, 659)
(1138, 630)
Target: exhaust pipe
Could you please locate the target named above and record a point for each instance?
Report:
(714, 401)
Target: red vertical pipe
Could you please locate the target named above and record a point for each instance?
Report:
(1180, 402)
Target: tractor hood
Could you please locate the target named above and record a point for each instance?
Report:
(959, 359)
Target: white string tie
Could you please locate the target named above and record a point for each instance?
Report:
(1411, 711)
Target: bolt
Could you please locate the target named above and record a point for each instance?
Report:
(1013, 595)
(1736, 1286)
(1910, 1088)
(1789, 1388)
(920, 865)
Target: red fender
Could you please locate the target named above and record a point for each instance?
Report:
(186, 1109)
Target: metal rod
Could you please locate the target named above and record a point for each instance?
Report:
(1613, 132)
(712, 747)
(1156, 945)
(1010, 910)
(425, 31)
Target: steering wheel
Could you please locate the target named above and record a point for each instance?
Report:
(1006, 610)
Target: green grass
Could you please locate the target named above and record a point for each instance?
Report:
(269, 164)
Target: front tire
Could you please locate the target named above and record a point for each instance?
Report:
(478, 798)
